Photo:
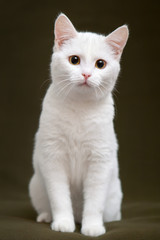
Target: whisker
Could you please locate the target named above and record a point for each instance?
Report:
(63, 75)
(95, 92)
(102, 85)
(60, 84)
(116, 90)
(97, 87)
(100, 90)
(62, 80)
(61, 90)
(46, 81)
(69, 90)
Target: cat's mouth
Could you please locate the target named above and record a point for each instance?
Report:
(84, 84)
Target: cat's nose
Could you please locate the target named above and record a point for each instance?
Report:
(86, 76)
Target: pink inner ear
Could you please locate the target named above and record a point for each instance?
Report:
(117, 40)
(115, 46)
(64, 30)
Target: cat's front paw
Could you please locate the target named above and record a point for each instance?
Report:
(63, 225)
(93, 230)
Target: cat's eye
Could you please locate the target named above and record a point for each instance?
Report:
(100, 63)
(75, 60)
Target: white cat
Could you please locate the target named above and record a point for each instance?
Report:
(75, 157)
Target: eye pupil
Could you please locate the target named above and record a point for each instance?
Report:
(74, 60)
(100, 63)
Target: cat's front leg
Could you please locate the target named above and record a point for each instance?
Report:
(95, 189)
(58, 190)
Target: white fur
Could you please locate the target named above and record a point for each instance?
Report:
(75, 156)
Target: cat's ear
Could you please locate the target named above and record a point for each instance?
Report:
(64, 30)
(117, 40)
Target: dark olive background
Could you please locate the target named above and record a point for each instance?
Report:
(26, 40)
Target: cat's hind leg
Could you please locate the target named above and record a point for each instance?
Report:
(39, 199)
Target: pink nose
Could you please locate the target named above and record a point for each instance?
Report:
(86, 76)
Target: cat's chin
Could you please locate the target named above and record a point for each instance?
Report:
(84, 89)
(84, 92)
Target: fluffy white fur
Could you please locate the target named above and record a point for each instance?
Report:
(75, 156)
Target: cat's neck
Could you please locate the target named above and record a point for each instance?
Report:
(80, 102)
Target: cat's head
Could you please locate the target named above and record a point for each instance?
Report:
(85, 65)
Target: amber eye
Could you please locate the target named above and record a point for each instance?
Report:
(75, 60)
(100, 63)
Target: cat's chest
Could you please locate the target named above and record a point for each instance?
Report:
(81, 121)
(78, 134)
(78, 129)
(73, 133)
